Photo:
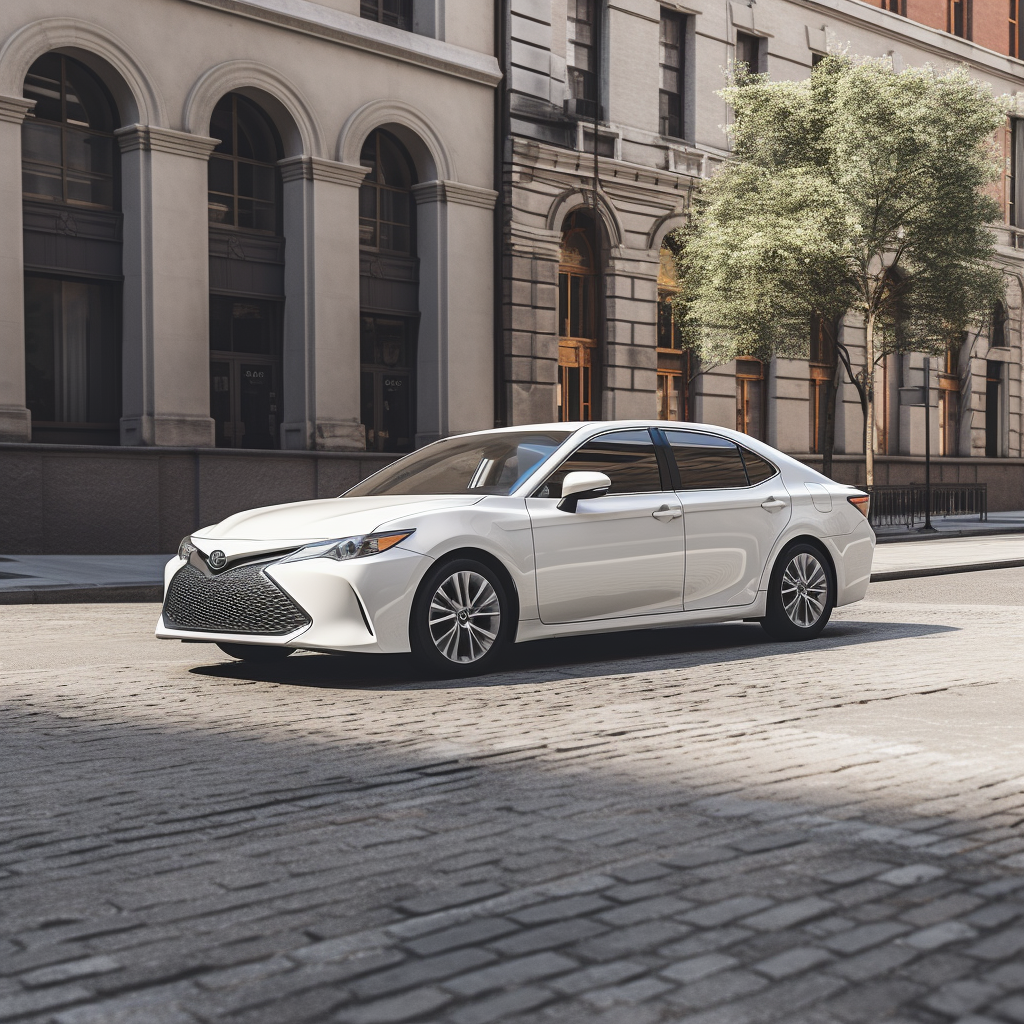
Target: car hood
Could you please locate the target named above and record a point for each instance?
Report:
(302, 522)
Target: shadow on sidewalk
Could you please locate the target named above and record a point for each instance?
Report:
(539, 661)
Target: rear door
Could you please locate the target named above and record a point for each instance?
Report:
(617, 555)
(735, 508)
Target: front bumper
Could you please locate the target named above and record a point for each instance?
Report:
(359, 605)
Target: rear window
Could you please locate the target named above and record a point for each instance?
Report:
(706, 461)
(758, 469)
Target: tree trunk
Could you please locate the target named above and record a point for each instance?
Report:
(869, 405)
(829, 447)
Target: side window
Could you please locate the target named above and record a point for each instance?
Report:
(627, 457)
(706, 461)
(758, 469)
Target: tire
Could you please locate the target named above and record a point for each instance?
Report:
(801, 594)
(257, 654)
(461, 620)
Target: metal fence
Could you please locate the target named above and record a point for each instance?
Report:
(905, 505)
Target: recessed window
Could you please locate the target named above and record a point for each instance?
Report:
(388, 12)
(750, 404)
(581, 56)
(958, 18)
(671, 57)
(894, 6)
(748, 51)
(68, 148)
(385, 196)
(243, 176)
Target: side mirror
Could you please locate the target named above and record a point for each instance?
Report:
(577, 486)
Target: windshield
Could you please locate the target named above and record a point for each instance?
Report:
(479, 464)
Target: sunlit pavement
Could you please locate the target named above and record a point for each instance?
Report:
(689, 825)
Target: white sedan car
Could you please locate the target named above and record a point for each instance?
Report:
(503, 536)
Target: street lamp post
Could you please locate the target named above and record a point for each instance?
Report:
(928, 528)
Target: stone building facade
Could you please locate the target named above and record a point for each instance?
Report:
(246, 223)
(647, 73)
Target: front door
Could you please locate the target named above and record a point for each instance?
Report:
(244, 402)
(735, 508)
(617, 555)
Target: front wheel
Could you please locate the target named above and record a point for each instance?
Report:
(460, 619)
(801, 595)
(257, 654)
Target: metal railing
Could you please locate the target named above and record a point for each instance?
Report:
(904, 505)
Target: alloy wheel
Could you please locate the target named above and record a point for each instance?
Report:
(804, 590)
(464, 617)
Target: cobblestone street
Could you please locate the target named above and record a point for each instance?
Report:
(690, 825)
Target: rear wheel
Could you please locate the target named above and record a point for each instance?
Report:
(801, 594)
(257, 654)
(460, 619)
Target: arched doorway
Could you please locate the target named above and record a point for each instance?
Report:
(246, 276)
(389, 295)
(72, 243)
(577, 318)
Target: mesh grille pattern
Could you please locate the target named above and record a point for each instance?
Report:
(241, 600)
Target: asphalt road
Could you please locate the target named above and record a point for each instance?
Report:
(689, 825)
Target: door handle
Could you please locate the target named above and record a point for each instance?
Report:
(664, 514)
(773, 504)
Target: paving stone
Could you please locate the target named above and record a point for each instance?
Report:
(501, 1007)
(631, 993)
(719, 988)
(940, 935)
(1000, 946)
(559, 933)
(961, 997)
(420, 972)
(725, 911)
(867, 935)
(1011, 1009)
(645, 910)
(397, 1008)
(70, 970)
(786, 915)
(599, 976)
(511, 972)
(557, 910)
(699, 967)
(793, 961)
(479, 931)
(912, 874)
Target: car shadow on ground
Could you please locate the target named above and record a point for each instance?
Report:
(603, 654)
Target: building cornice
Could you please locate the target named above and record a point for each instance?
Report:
(362, 34)
(144, 137)
(455, 192)
(310, 168)
(14, 108)
(899, 29)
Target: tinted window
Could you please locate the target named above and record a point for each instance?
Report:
(758, 469)
(476, 464)
(706, 461)
(627, 457)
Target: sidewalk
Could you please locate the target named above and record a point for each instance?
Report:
(64, 579)
(955, 526)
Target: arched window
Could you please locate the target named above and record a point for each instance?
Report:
(577, 312)
(72, 245)
(243, 168)
(998, 332)
(675, 364)
(246, 276)
(389, 295)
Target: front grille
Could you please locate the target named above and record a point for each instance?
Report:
(242, 600)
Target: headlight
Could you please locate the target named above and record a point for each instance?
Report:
(185, 549)
(349, 547)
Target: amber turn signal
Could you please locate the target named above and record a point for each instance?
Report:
(862, 503)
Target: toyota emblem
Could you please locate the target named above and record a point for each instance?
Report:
(218, 559)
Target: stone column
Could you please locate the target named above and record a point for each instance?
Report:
(15, 419)
(166, 332)
(321, 320)
(455, 358)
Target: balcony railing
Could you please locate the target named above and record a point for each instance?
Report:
(894, 505)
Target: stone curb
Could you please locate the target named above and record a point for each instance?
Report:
(127, 593)
(945, 570)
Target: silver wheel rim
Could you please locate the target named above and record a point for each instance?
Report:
(804, 590)
(464, 617)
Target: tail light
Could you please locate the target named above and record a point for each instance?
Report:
(862, 503)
